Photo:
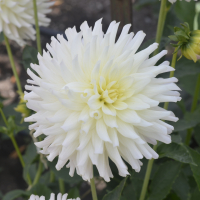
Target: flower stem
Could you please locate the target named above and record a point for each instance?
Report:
(161, 23)
(13, 64)
(150, 162)
(20, 157)
(39, 172)
(93, 188)
(194, 105)
(37, 27)
(4, 117)
(52, 177)
(61, 185)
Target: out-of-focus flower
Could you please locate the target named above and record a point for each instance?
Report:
(188, 41)
(17, 18)
(97, 99)
(59, 197)
(173, 1)
(22, 108)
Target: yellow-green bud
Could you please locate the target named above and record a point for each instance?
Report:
(192, 49)
(22, 108)
(188, 41)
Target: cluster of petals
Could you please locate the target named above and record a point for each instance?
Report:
(173, 1)
(52, 197)
(97, 99)
(17, 18)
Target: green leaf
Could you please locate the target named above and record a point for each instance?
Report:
(1, 37)
(190, 120)
(181, 187)
(30, 153)
(185, 11)
(164, 179)
(176, 138)
(73, 193)
(185, 67)
(40, 190)
(195, 194)
(15, 194)
(197, 134)
(132, 191)
(178, 152)
(64, 173)
(29, 56)
(173, 38)
(3, 129)
(116, 193)
(195, 169)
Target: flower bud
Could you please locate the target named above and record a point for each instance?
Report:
(192, 49)
(188, 41)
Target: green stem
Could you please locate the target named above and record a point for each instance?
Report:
(15, 146)
(161, 23)
(150, 162)
(17, 150)
(61, 185)
(20, 157)
(52, 177)
(93, 189)
(4, 117)
(39, 172)
(37, 27)
(193, 108)
(13, 64)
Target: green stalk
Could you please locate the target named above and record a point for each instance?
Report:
(161, 23)
(61, 186)
(193, 108)
(37, 27)
(150, 162)
(4, 117)
(39, 172)
(15, 146)
(93, 189)
(13, 64)
(52, 177)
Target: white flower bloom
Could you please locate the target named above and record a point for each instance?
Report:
(96, 99)
(17, 18)
(59, 197)
(173, 1)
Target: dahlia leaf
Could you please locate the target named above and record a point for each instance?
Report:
(164, 179)
(181, 187)
(195, 169)
(195, 194)
(185, 11)
(73, 193)
(15, 194)
(190, 120)
(64, 174)
(116, 193)
(183, 70)
(178, 152)
(29, 56)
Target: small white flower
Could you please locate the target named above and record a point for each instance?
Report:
(173, 1)
(17, 18)
(59, 197)
(97, 99)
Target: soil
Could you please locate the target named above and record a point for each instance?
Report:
(65, 13)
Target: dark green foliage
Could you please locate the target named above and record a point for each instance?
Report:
(164, 179)
(116, 193)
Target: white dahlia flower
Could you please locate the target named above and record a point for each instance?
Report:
(173, 1)
(59, 197)
(97, 99)
(17, 18)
